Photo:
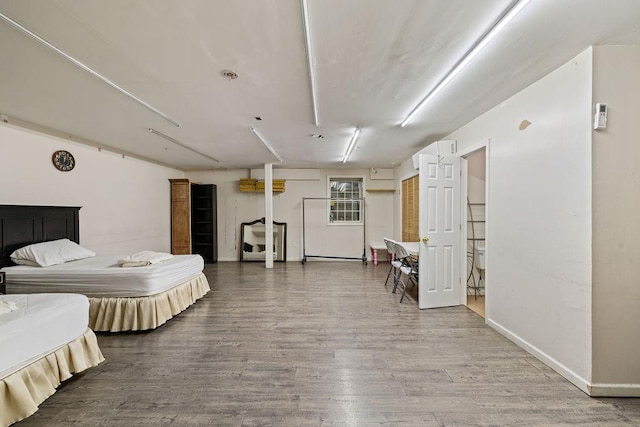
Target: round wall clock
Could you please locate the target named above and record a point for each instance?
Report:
(63, 160)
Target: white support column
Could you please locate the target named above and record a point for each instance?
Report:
(268, 214)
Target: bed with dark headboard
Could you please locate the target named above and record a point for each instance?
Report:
(174, 284)
(22, 225)
(55, 325)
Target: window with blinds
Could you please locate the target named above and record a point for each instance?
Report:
(410, 191)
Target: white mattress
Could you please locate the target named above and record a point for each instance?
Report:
(100, 276)
(41, 324)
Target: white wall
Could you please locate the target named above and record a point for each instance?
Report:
(539, 212)
(616, 234)
(125, 202)
(235, 207)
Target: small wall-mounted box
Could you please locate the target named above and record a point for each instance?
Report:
(600, 118)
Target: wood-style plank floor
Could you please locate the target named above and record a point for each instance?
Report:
(323, 344)
(476, 304)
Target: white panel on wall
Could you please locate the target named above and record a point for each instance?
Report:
(539, 216)
(616, 237)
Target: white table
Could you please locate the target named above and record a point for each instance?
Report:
(412, 247)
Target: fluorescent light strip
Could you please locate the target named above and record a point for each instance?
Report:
(186, 147)
(266, 144)
(68, 57)
(352, 144)
(506, 18)
(307, 40)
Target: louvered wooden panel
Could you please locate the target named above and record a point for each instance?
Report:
(410, 192)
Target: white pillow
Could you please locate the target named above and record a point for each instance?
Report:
(50, 253)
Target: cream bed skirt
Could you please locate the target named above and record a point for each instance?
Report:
(22, 391)
(142, 313)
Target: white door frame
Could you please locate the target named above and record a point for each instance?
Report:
(464, 173)
(465, 152)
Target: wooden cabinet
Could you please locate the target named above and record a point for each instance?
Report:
(194, 219)
(180, 216)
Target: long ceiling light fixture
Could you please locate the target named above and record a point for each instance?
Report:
(352, 144)
(507, 16)
(307, 41)
(79, 64)
(266, 144)
(175, 141)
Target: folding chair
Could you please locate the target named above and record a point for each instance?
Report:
(409, 269)
(395, 264)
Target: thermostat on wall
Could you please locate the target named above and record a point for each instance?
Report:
(600, 119)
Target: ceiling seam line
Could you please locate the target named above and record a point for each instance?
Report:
(266, 144)
(86, 68)
(180, 144)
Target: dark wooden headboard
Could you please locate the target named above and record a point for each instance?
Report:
(23, 225)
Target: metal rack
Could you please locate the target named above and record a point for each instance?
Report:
(476, 285)
(363, 258)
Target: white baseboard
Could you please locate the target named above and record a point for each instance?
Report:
(615, 390)
(593, 390)
(574, 378)
(236, 259)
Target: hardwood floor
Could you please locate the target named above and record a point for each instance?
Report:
(476, 304)
(323, 344)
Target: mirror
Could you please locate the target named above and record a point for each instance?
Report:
(252, 241)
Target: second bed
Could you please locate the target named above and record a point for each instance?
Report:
(121, 299)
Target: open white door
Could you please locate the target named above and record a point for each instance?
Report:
(440, 274)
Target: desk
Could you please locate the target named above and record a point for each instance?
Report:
(378, 246)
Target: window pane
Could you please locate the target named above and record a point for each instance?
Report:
(346, 194)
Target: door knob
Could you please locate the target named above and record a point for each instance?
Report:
(425, 239)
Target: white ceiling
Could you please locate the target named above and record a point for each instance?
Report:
(373, 60)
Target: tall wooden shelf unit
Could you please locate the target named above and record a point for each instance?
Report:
(194, 219)
(180, 216)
